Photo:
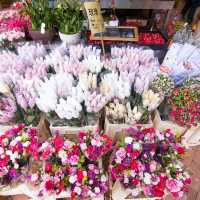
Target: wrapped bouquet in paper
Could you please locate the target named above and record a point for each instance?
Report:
(17, 145)
(146, 164)
(182, 59)
(67, 172)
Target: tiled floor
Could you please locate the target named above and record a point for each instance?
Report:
(192, 163)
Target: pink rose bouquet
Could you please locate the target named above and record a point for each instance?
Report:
(146, 161)
(94, 146)
(16, 147)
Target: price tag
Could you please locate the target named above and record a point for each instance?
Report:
(95, 17)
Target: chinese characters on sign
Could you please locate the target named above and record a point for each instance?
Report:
(96, 22)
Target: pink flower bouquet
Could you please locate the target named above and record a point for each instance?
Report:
(16, 146)
(146, 161)
(66, 169)
(94, 146)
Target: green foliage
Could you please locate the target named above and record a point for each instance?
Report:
(39, 12)
(69, 16)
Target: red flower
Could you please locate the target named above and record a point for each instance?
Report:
(58, 142)
(60, 187)
(120, 168)
(135, 181)
(80, 176)
(135, 154)
(46, 153)
(48, 167)
(188, 181)
(82, 134)
(180, 150)
(49, 185)
(158, 193)
(134, 165)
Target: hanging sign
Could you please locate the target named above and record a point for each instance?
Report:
(95, 17)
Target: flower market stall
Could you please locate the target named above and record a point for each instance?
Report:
(80, 123)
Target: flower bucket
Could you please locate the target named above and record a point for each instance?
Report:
(44, 38)
(70, 39)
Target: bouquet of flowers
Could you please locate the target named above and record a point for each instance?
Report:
(12, 25)
(94, 146)
(163, 84)
(20, 74)
(17, 145)
(184, 104)
(66, 169)
(147, 162)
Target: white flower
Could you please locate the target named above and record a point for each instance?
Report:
(16, 166)
(83, 146)
(88, 80)
(128, 140)
(97, 190)
(72, 179)
(77, 190)
(126, 180)
(68, 109)
(34, 177)
(118, 161)
(1, 150)
(9, 152)
(136, 145)
(147, 178)
(113, 85)
(68, 144)
(44, 145)
(133, 174)
(93, 63)
(91, 182)
(5, 141)
(135, 192)
(134, 115)
(13, 142)
(26, 144)
(103, 178)
(151, 100)
(62, 154)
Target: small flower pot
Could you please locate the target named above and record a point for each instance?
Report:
(70, 39)
(44, 38)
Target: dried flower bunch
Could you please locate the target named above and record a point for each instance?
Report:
(147, 162)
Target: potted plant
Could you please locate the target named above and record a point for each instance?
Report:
(70, 20)
(42, 18)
